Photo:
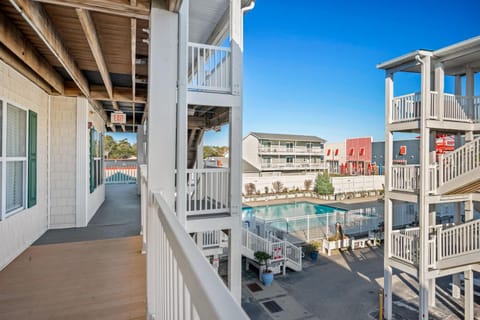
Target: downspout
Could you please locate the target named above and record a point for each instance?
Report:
(417, 57)
(249, 7)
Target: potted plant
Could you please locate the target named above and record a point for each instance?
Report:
(267, 275)
(313, 247)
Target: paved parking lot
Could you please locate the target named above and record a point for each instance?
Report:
(345, 286)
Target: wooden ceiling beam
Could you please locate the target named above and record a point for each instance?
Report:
(105, 6)
(92, 38)
(13, 61)
(38, 19)
(120, 94)
(14, 40)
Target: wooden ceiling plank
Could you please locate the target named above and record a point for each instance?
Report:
(14, 40)
(92, 38)
(105, 6)
(38, 19)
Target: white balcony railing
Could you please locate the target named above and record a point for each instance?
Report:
(406, 108)
(455, 108)
(405, 247)
(405, 177)
(208, 191)
(181, 284)
(294, 150)
(461, 108)
(292, 165)
(209, 68)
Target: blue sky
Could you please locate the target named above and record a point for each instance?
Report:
(310, 68)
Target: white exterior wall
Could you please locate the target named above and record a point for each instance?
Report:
(341, 157)
(341, 184)
(63, 130)
(19, 231)
(250, 151)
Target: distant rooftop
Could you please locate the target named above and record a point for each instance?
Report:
(287, 137)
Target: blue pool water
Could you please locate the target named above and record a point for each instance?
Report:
(296, 209)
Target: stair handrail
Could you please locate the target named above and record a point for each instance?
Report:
(470, 156)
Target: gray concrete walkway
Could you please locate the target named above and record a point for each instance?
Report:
(345, 286)
(119, 216)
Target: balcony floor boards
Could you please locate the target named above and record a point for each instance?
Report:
(102, 279)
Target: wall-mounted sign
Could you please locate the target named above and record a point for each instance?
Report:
(118, 117)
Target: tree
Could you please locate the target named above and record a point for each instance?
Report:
(323, 185)
(118, 150)
(277, 186)
(214, 151)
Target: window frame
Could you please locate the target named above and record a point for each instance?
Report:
(4, 159)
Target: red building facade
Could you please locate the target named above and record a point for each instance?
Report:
(359, 156)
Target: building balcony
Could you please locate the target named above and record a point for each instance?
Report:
(291, 151)
(292, 166)
(454, 108)
(209, 68)
(208, 191)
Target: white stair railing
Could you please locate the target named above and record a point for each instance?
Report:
(459, 162)
(209, 68)
(461, 108)
(211, 239)
(208, 191)
(459, 240)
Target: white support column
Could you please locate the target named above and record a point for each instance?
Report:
(440, 88)
(141, 156)
(387, 269)
(423, 205)
(458, 85)
(83, 167)
(456, 282)
(235, 152)
(431, 292)
(235, 157)
(162, 96)
(469, 295)
(199, 162)
(182, 113)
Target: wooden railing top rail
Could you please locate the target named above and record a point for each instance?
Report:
(209, 295)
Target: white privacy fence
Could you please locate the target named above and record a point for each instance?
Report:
(209, 68)
(208, 191)
(181, 284)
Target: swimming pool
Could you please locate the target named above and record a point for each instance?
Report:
(279, 211)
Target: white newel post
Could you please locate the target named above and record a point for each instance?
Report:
(162, 96)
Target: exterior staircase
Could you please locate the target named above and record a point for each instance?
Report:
(281, 250)
(459, 171)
